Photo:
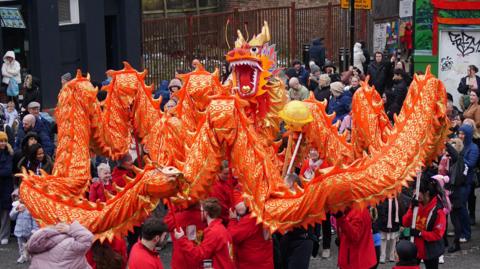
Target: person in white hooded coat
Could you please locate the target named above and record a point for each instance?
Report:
(358, 56)
(10, 68)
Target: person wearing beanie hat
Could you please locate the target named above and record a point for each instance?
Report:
(407, 255)
(297, 91)
(252, 244)
(6, 187)
(300, 72)
(340, 102)
(174, 86)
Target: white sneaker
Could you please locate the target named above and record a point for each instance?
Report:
(441, 260)
(4, 242)
(451, 234)
(22, 259)
(325, 253)
(462, 240)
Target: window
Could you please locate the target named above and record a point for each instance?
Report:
(68, 12)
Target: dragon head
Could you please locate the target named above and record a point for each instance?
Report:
(252, 63)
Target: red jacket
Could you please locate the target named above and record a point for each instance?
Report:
(184, 218)
(216, 245)
(118, 245)
(97, 190)
(143, 258)
(223, 191)
(421, 224)
(118, 174)
(356, 241)
(251, 248)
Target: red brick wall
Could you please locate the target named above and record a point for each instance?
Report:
(253, 4)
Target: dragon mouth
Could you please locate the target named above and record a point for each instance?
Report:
(246, 74)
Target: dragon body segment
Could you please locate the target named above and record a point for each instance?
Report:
(238, 121)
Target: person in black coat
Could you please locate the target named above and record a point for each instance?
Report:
(380, 72)
(366, 54)
(396, 96)
(6, 187)
(31, 92)
(322, 92)
(317, 52)
(469, 82)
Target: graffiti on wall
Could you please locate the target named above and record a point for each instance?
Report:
(466, 44)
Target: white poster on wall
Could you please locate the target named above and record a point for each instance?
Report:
(379, 36)
(405, 8)
(457, 50)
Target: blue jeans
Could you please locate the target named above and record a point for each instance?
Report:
(464, 217)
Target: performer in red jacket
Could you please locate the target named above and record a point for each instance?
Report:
(356, 241)
(143, 254)
(216, 244)
(190, 220)
(430, 223)
(222, 189)
(252, 244)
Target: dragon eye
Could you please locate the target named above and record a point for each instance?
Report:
(254, 50)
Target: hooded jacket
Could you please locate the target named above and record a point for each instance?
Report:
(358, 57)
(54, 250)
(470, 151)
(10, 69)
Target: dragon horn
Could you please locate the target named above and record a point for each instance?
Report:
(240, 40)
(126, 65)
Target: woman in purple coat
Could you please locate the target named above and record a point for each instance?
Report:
(59, 247)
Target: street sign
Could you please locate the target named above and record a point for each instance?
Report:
(359, 4)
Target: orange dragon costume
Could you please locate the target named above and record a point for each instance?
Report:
(238, 121)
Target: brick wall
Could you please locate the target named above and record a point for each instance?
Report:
(253, 4)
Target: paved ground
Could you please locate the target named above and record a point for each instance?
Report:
(467, 258)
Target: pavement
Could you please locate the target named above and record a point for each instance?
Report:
(467, 258)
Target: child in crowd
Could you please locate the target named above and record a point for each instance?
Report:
(389, 217)
(407, 255)
(25, 225)
(11, 115)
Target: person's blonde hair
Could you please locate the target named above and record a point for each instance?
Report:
(103, 167)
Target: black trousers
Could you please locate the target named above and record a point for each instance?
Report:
(326, 233)
(456, 217)
(431, 264)
(295, 252)
(472, 200)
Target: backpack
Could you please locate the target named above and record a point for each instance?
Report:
(457, 171)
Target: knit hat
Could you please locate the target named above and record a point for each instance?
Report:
(314, 68)
(442, 180)
(67, 76)
(3, 136)
(337, 88)
(175, 83)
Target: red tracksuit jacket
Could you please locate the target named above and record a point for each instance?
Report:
(184, 218)
(356, 241)
(438, 228)
(216, 245)
(251, 248)
(143, 258)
